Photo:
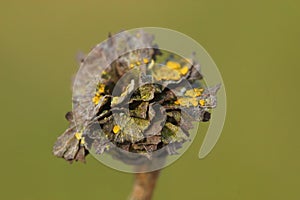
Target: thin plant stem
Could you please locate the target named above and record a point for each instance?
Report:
(144, 185)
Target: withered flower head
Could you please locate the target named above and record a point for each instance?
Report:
(132, 99)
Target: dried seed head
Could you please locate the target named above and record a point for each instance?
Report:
(139, 101)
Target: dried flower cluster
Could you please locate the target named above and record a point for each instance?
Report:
(142, 102)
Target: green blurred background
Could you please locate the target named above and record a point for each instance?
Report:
(255, 45)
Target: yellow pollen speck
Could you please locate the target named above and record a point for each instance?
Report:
(194, 102)
(173, 65)
(116, 129)
(78, 135)
(196, 92)
(101, 88)
(202, 102)
(96, 99)
(138, 63)
(199, 90)
(190, 93)
(131, 65)
(182, 101)
(97, 94)
(184, 70)
(145, 60)
(187, 102)
(82, 141)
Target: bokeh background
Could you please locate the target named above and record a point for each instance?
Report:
(255, 45)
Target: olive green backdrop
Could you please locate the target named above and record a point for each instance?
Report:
(255, 45)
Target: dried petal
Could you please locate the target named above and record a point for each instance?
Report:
(157, 116)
